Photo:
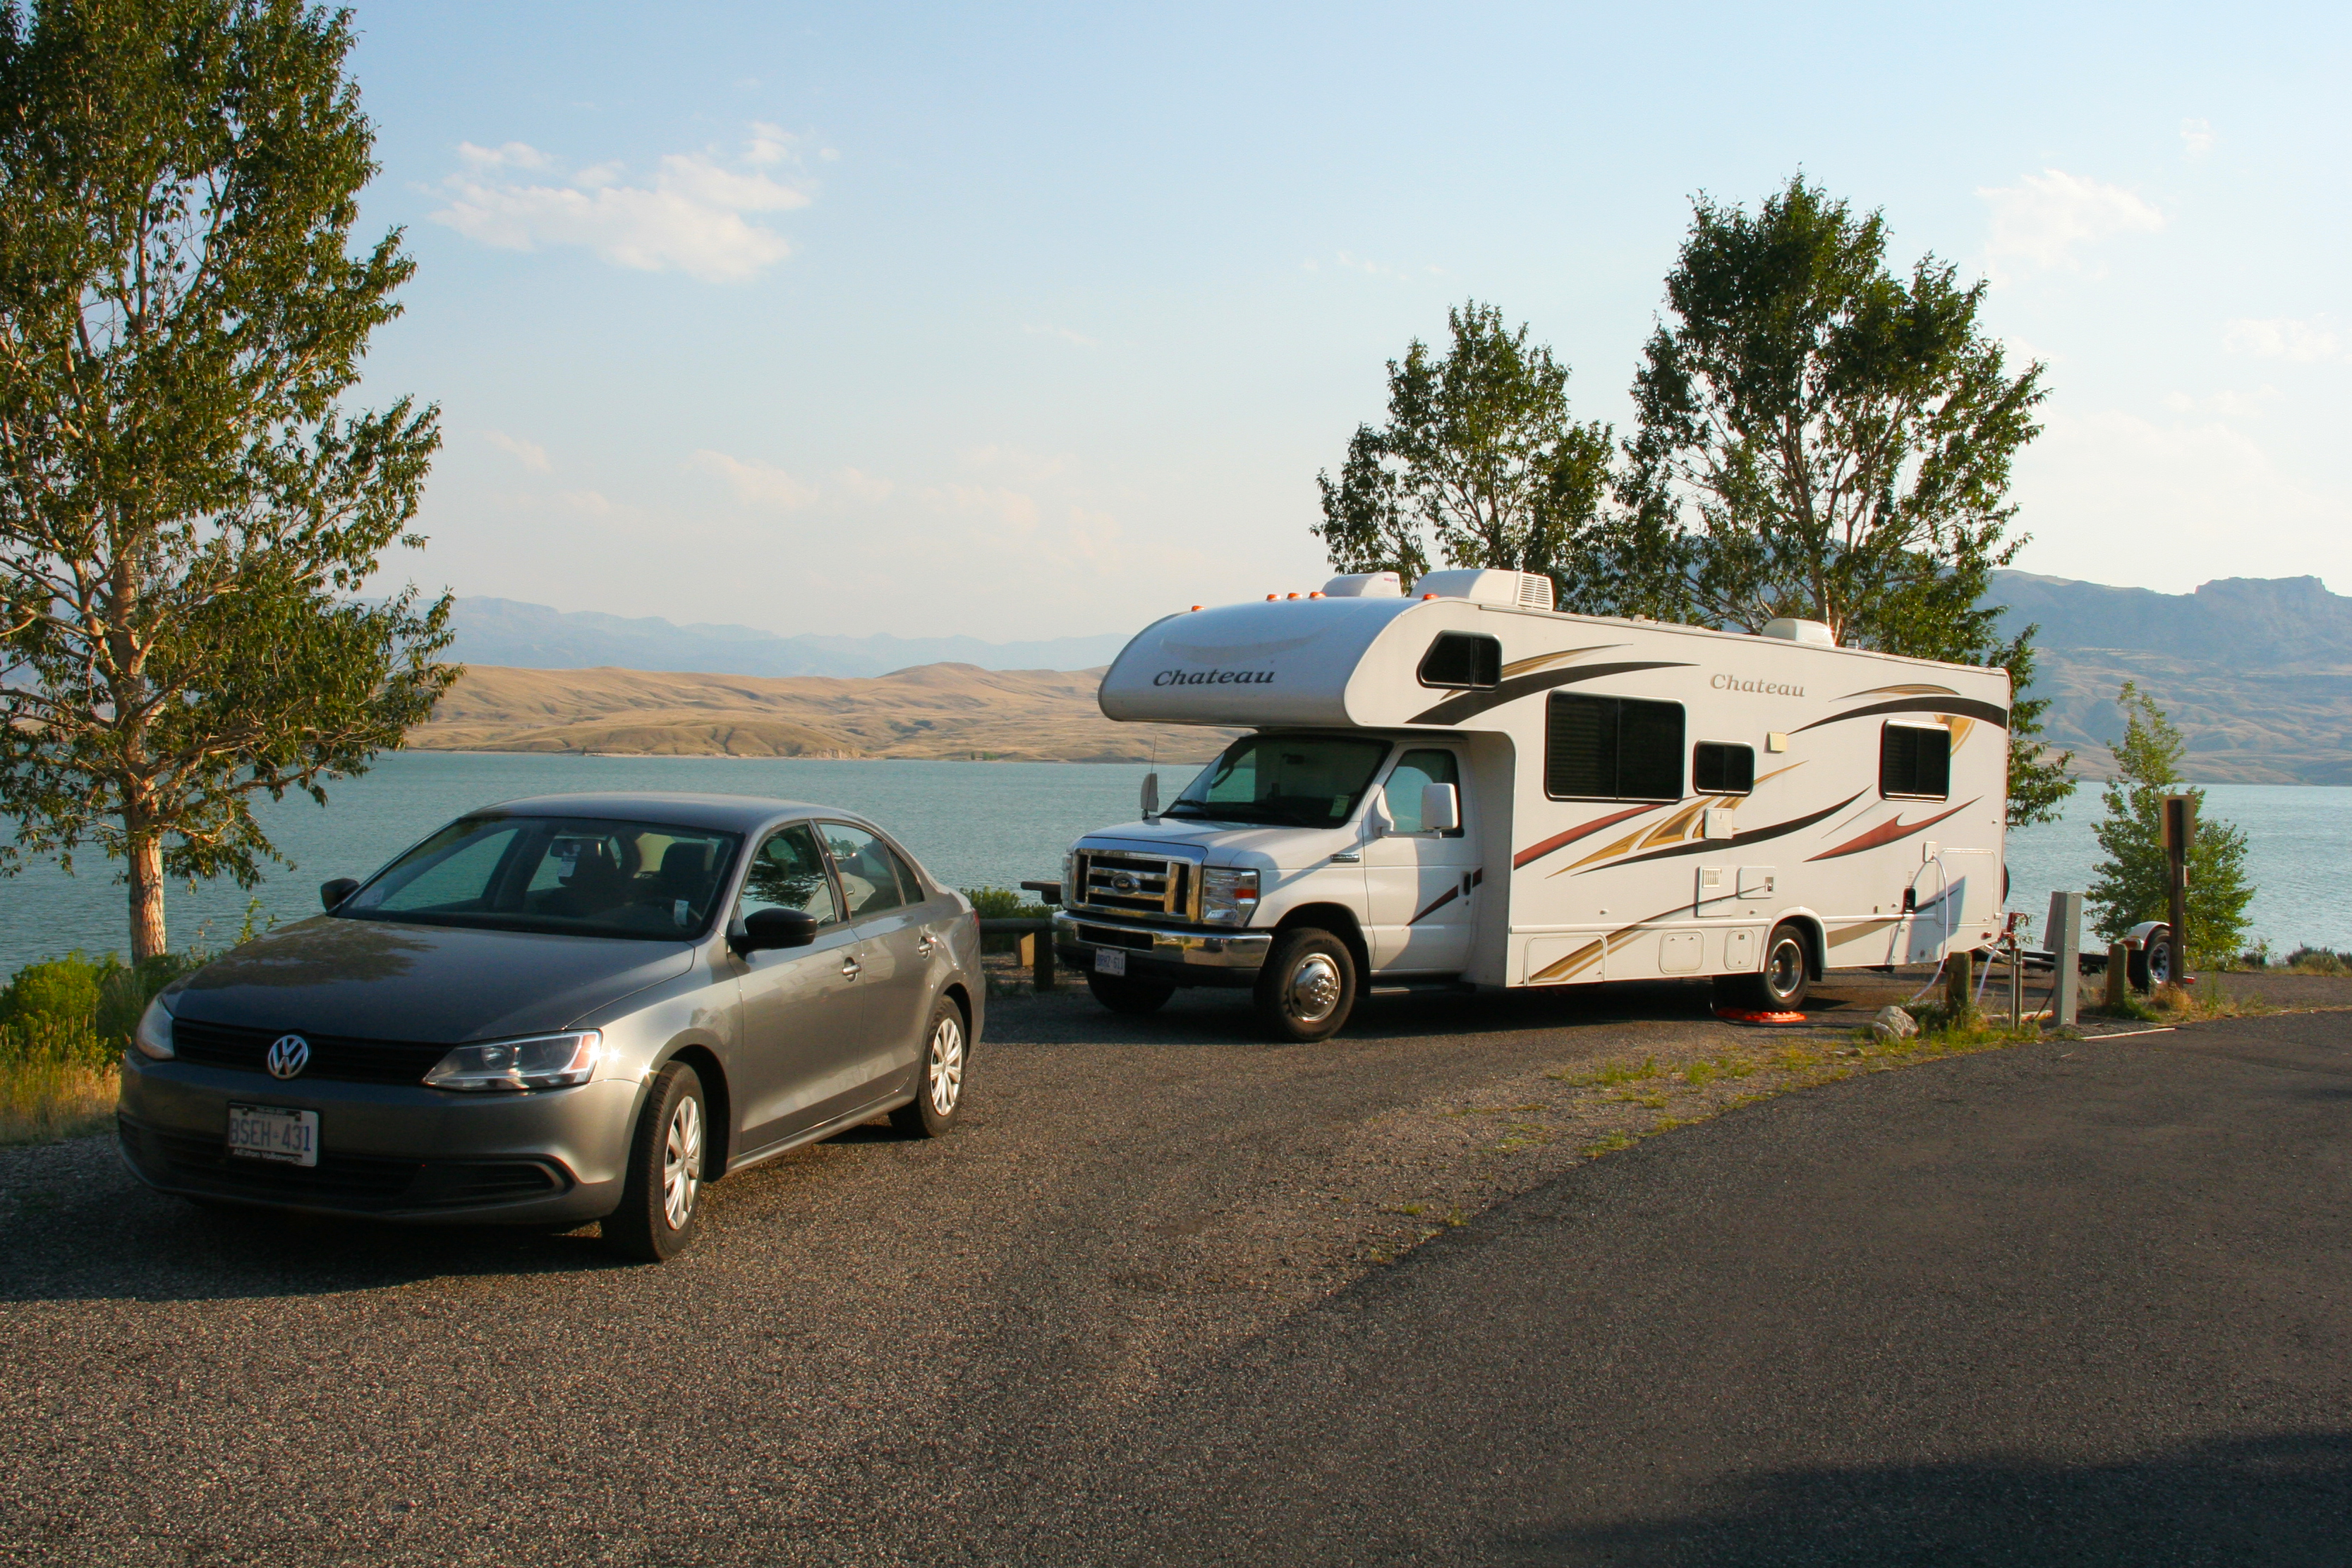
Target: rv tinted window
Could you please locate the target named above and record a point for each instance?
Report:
(1915, 761)
(1612, 749)
(1461, 661)
(1717, 769)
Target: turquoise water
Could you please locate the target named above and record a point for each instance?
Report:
(985, 824)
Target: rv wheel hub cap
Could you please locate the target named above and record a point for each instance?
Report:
(1315, 989)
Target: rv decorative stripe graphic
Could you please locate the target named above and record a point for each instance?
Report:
(1737, 841)
(1887, 833)
(1593, 952)
(1448, 896)
(1454, 709)
(1537, 851)
(1968, 706)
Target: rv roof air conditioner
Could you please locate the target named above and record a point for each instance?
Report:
(1527, 590)
(1814, 632)
(1365, 585)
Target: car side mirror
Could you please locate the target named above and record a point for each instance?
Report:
(1441, 808)
(331, 894)
(766, 929)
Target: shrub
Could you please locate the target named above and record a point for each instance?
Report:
(2316, 961)
(1003, 904)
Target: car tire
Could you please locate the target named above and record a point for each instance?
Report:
(939, 1083)
(2150, 964)
(661, 1197)
(1121, 995)
(1307, 988)
(1780, 985)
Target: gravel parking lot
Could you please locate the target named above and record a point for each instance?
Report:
(981, 1349)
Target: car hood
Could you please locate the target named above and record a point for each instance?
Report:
(384, 980)
(1229, 843)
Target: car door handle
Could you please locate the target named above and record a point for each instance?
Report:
(850, 968)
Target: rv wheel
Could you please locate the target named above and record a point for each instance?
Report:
(1781, 986)
(1308, 986)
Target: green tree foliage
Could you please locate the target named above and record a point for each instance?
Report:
(2131, 884)
(186, 510)
(1822, 438)
(1479, 464)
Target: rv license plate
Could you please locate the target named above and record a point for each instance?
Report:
(274, 1133)
(1109, 961)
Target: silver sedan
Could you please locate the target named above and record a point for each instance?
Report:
(566, 1008)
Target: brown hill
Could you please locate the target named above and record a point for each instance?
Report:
(938, 711)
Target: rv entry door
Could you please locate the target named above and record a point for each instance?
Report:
(1421, 882)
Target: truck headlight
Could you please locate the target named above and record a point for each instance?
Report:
(154, 1035)
(542, 1061)
(1228, 897)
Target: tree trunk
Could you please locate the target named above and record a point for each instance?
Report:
(146, 863)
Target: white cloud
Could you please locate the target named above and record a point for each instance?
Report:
(1013, 509)
(757, 483)
(1023, 467)
(870, 488)
(695, 217)
(2111, 496)
(2281, 338)
(2197, 137)
(2038, 223)
(529, 454)
(1036, 330)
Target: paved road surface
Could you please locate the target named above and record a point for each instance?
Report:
(2032, 1307)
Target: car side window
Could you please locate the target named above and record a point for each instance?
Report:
(869, 883)
(789, 873)
(1413, 771)
(910, 884)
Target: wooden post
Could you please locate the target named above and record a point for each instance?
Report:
(2179, 832)
(1040, 955)
(2064, 938)
(1960, 988)
(2118, 975)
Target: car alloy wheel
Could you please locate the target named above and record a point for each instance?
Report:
(682, 1162)
(943, 1073)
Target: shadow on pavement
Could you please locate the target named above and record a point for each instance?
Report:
(2275, 1500)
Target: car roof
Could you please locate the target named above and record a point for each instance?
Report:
(733, 813)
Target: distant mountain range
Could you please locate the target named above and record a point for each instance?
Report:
(508, 632)
(2257, 672)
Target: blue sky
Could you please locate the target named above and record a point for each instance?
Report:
(1025, 322)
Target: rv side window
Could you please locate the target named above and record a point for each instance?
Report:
(1914, 762)
(1612, 749)
(1719, 768)
(1462, 662)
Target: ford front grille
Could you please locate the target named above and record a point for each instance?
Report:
(1112, 880)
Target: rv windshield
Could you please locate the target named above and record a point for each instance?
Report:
(1284, 780)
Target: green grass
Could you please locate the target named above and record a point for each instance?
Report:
(57, 1080)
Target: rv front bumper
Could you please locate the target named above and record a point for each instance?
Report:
(1184, 957)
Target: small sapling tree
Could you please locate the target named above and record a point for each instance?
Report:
(2130, 882)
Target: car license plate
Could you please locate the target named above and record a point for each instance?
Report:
(1109, 961)
(274, 1133)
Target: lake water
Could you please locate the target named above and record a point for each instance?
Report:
(985, 824)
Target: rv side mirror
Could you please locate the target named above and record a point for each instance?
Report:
(1441, 808)
(331, 894)
(1151, 794)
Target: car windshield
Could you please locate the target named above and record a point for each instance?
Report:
(1284, 780)
(574, 875)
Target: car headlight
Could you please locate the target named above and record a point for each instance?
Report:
(1228, 897)
(154, 1035)
(542, 1061)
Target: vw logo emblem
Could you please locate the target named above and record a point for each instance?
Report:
(1124, 881)
(289, 1055)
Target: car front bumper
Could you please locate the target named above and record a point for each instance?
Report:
(391, 1152)
(1183, 956)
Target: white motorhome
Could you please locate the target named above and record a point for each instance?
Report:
(1459, 787)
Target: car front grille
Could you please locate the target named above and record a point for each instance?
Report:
(339, 1057)
(1115, 881)
(348, 1181)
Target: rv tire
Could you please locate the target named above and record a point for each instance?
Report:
(1307, 988)
(1779, 987)
(1126, 995)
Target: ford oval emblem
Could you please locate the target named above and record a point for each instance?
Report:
(1124, 881)
(289, 1055)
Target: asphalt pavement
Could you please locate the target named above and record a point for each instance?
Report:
(2065, 1303)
